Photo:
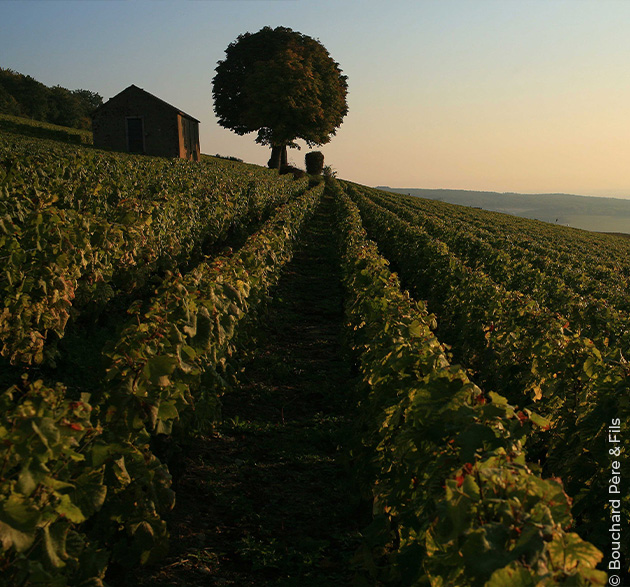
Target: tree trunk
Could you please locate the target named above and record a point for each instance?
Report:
(278, 157)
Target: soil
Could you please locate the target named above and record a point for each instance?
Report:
(268, 499)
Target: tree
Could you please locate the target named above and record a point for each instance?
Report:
(22, 95)
(89, 102)
(33, 96)
(8, 104)
(282, 84)
(64, 108)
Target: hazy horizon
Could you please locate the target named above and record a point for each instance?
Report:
(602, 214)
(522, 96)
(507, 192)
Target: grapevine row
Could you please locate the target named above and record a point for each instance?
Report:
(582, 262)
(57, 258)
(525, 352)
(455, 501)
(568, 292)
(80, 483)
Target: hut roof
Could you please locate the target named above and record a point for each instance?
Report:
(133, 87)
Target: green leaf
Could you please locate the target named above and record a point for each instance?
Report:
(159, 368)
(590, 367)
(66, 508)
(62, 260)
(189, 352)
(484, 551)
(120, 471)
(18, 522)
(12, 538)
(543, 423)
(144, 539)
(470, 488)
(90, 492)
(497, 399)
(19, 513)
(514, 575)
(26, 483)
(416, 329)
(57, 484)
(168, 411)
(47, 431)
(473, 438)
(164, 427)
(101, 452)
(568, 552)
(54, 545)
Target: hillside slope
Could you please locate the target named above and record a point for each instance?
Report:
(215, 334)
(589, 213)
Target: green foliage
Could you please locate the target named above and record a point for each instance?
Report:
(282, 84)
(294, 171)
(43, 130)
(175, 355)
(77, 227)
(8, 104)
(169, 366)
(80, 485)
(455, 502)
(229, 158)
(21, 95)
(440, 447)
(329, 172)
(48, 486)
(531, 354)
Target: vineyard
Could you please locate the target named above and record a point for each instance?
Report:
(461, 421)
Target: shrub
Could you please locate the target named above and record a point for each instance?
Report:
(229, 158)
(329, 171)
(297, 173)
(314, 162)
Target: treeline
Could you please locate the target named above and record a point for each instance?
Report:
(21, 95)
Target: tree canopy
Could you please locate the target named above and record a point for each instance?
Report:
(22, 95)
(282, 84)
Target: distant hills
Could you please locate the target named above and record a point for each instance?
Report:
(587, 212)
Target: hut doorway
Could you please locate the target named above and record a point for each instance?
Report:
(135, 134)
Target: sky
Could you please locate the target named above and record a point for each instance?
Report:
(528, 96)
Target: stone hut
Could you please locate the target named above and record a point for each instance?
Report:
(135, 121)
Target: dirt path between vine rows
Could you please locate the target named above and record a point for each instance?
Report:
(267, 500)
